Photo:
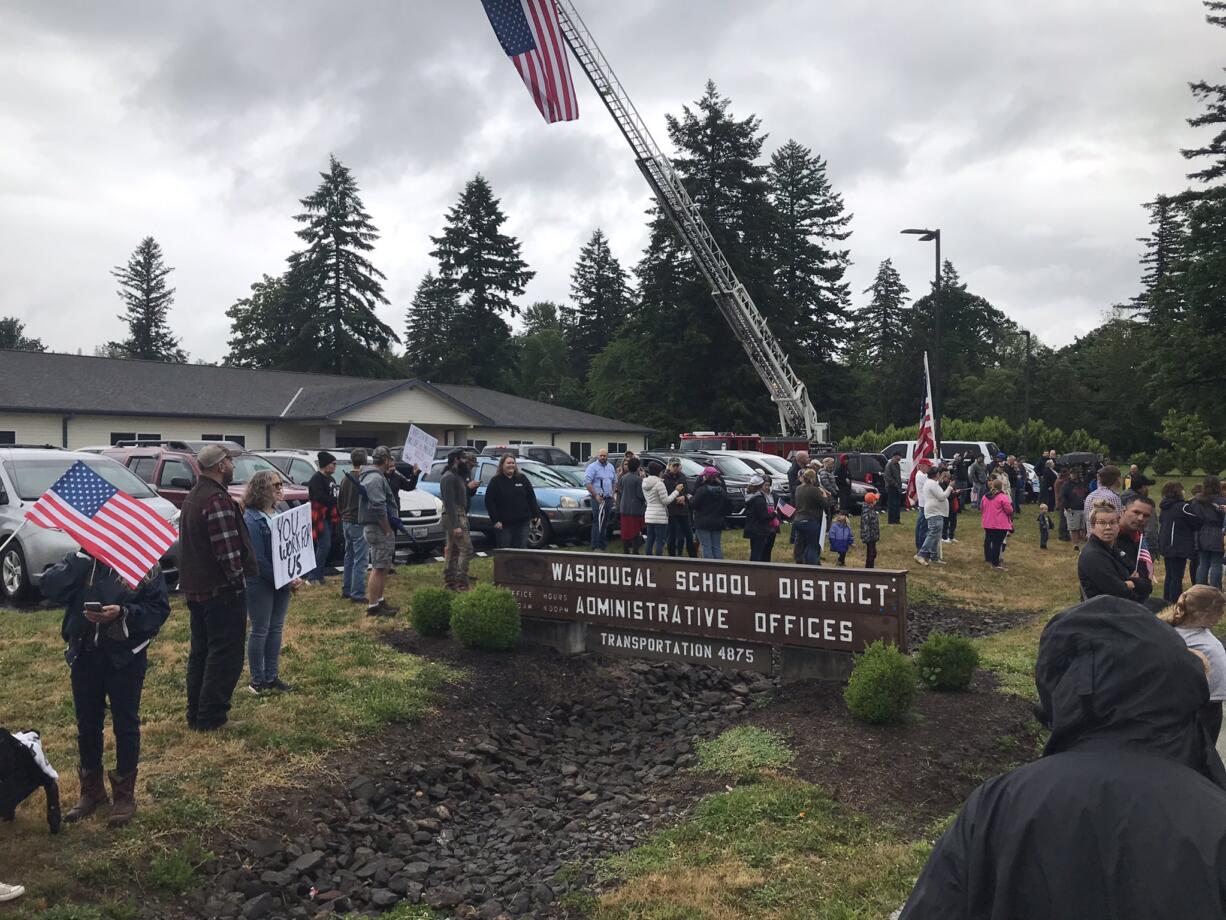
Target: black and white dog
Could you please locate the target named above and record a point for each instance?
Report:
(24, 768)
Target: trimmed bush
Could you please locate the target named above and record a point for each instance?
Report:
(1164, 462)
(1142, 461)
(882, 684)
(430, 611)
(486, 617)
(946, 662)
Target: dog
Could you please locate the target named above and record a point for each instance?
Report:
(23, 769)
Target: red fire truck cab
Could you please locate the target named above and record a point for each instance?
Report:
(727, 440)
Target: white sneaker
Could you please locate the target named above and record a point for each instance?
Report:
(938, 561)
(946, 540)
(920, 559)
(10, 892)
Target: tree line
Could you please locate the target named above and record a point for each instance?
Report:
(647, 343)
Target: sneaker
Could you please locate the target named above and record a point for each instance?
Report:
(359, 599)
(381, 609)
(946, 540)
(388, 609)
(1000, 568)
(256, 688)
(278, 684)
(954, 540)
(10, 892)
(920, 559)
(938, 562)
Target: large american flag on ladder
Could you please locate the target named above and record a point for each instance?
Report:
(531, 36)
(925, 441)
(110, 525)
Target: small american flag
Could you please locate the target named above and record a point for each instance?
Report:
(531, 36)
(1145, 561)
(110, 525)
(925, 443)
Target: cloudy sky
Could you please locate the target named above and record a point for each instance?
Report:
(1029, 132)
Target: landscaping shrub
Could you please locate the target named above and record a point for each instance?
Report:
(1213, 456)
(486, 617)
(946, 662)
(1142, 461)
(430, 611)
(882, 684)
(1164, 462)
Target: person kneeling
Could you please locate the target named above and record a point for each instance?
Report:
(108, 627)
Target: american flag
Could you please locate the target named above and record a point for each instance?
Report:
(1145, 561)
(925, 442)
(110, 525)
(531, 36)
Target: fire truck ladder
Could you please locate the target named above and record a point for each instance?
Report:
(796, 414)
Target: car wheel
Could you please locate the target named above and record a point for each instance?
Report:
(14, 574)
(538, 533)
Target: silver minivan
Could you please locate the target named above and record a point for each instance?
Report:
(25, 474)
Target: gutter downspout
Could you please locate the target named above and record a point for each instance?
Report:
(268, 435)
(64, 431)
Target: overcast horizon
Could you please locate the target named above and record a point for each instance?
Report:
(1031, 137)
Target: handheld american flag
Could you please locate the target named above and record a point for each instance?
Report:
(925, 441)
(110, 525)
(1145, 559)
(531, 36)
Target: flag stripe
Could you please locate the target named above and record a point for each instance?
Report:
(78, 523)
(556, 71)
(141, 516)
(530, 33)
(88, 543)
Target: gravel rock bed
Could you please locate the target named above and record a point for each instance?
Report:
(923, 619)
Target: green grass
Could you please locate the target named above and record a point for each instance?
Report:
(744, 752)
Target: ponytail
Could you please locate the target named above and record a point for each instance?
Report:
(1199, 606)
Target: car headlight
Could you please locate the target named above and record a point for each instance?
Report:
(174, 518)
(567, 502)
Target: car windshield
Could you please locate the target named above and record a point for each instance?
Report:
(247, 465)
(32, 476)
(540, 471)
(572, 474)
(733, 466)
(871, 463)
(993, 450)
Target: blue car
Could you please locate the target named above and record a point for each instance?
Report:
(566, 510)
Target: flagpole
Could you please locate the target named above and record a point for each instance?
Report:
(936, 445)
(13, 535)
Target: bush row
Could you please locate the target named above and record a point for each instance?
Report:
(882, 684)
(486, 617)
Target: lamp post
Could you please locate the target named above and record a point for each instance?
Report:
(1026, 400)
(934, 236)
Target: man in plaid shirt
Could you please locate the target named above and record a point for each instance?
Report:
(215, 559)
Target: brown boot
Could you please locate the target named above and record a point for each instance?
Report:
(93, 794)
(124, 790)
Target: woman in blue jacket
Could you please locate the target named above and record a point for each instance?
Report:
(266, 603)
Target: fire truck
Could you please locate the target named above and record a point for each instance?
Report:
(728, 440)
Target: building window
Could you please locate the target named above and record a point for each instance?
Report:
(480, 445)
(239, 439)
(8, 437)
(581, 450)
(617, 447)
(117, 436)
(353, 441)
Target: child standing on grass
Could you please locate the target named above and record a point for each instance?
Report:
(1195, 613)
(840, 536)
(1044, 526)
(870, 529)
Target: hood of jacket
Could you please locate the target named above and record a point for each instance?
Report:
(1111, 675)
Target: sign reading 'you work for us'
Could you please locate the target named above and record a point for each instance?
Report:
(751, 605)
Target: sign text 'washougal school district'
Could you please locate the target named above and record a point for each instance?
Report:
(715, 611)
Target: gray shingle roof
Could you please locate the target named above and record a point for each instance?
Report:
(31, 381)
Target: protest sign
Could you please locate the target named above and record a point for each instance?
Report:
(419, 448)
(293, 551)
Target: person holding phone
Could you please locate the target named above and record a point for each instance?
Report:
(108, 627)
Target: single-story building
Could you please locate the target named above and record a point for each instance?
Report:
(78, 401)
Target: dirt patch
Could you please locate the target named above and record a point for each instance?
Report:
(924, 619)
(906, 774)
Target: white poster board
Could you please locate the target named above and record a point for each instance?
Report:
(419, 448)
(293, 550)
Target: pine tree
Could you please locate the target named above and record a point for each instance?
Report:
(333, 287)
(428, 347)
(258, 324)
(1213, 97)
(543, 315)
(13, 337)
(142, 288)
(484, 266)
(883, 323)
(600, 291)
(809, 266)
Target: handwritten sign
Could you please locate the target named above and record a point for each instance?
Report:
(293, 551)
(419, 448)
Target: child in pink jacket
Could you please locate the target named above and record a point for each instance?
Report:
(997, 511)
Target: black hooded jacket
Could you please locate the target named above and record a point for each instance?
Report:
(1124, 817)
(1104, 569)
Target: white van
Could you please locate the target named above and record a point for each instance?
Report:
(985, 449)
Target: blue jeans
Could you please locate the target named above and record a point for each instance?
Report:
(921, 530)
(512, 536)
(1209, 568)
(266, 608)
(323, 549)
(932, 541)
(711, 542)
(353, 583)
(600, 522)
(657, 535)
(808, 541)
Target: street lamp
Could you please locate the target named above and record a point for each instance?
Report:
(934, 236)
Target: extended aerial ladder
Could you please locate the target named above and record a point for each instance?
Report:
(796, 414)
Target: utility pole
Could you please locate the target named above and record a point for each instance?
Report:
(1026, 398)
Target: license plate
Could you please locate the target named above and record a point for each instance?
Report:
(418, 532)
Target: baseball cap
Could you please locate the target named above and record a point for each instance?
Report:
(709, 471)
(756, 479)
(212, 454)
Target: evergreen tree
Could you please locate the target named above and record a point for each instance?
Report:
(601, 293)
(543, 315)
(142, 288)
(13, 337)
(258, 324)
(333, 287)
(885, 320)
(429, 352)
(484, 266)
(809, 266)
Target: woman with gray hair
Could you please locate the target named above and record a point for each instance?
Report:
(267, 604)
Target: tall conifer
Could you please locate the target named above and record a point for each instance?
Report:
(147, 299)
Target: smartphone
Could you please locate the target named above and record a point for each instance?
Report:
(93, 606)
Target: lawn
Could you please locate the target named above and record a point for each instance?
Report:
(772, 848)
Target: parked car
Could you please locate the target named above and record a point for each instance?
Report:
(572, 474)
(867, 473)
(25, 474)
(736, 474)
(173, 470)
(567, 512)
(541, 453)
(986, 449)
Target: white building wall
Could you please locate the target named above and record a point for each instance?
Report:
(31, 428)
(87, 430)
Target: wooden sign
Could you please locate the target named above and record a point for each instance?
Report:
(745, 603)
(720, 653)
